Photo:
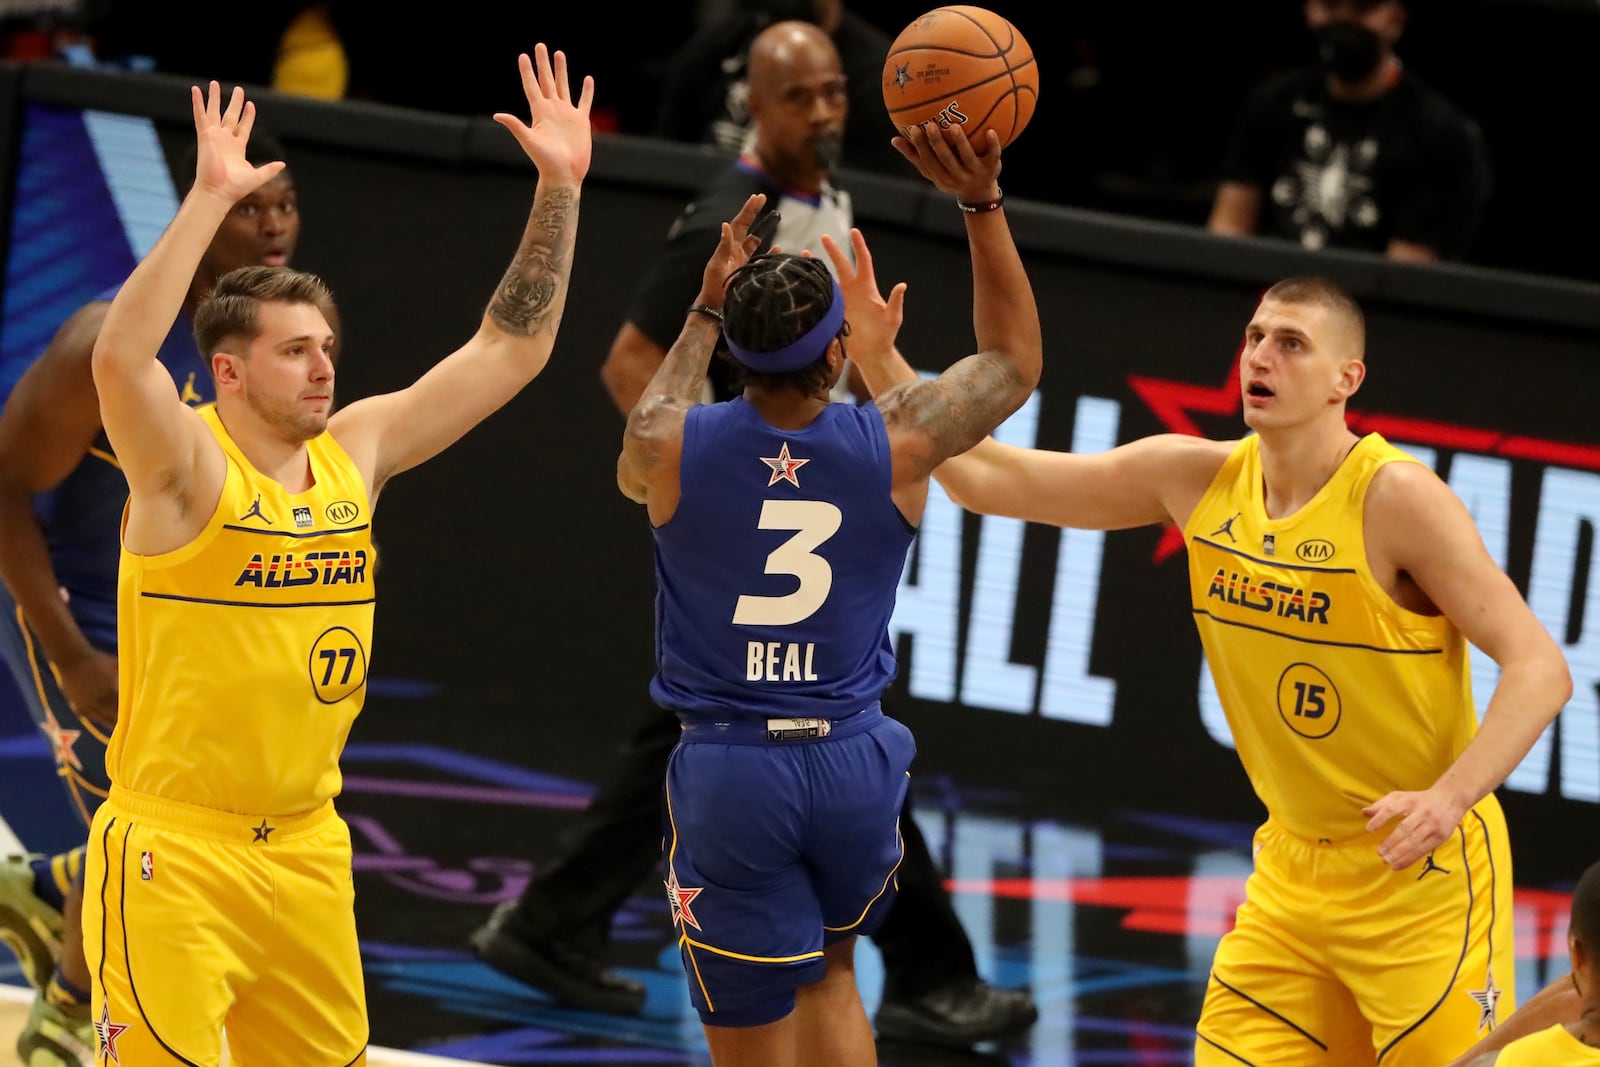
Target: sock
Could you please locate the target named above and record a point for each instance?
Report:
(63, 994)
(53, 875)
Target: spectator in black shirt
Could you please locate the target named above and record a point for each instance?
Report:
(1355, 152)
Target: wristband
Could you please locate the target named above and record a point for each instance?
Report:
(978, 207)
(707, 310)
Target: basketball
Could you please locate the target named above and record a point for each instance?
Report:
(962, 65)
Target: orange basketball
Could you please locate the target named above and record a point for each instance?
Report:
(963, 65)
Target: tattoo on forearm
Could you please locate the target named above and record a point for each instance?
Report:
(958, 409)
(524, 300)
(683, 372)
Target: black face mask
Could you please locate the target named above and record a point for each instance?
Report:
(1349, 51)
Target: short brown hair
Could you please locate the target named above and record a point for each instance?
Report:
(231, 308)
(1331, 295)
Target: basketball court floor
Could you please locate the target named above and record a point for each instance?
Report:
(1111, 920)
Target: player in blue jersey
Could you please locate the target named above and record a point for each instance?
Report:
(782, 523)
(61, 499)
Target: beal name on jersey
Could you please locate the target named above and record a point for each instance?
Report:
(780, 661)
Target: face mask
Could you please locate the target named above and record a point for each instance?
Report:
(1349, 51)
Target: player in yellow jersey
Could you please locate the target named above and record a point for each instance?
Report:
(1576, 1044)
(219, 880)
(1335, 583)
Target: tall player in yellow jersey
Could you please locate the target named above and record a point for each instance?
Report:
(219, 882)
(1377, 923)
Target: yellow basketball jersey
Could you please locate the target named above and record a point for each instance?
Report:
(1335, 694)
(243, 654)
(1555, 1047)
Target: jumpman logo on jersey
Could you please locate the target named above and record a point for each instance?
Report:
(1428, 867)
(189, 395)
(262, 831)
(106, 1033)
(1227, 528)
(680, 897)
(61, 740)
(1487, 998)
(255, 512)
(784, 467)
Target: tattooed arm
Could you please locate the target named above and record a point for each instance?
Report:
(930, 421)
(647, 470)
(389, 434)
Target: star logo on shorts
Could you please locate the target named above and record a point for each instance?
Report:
(1487, 998)
(61, 740)
(262, 831)
(680, 898)
(106, 1033)
(784, 467)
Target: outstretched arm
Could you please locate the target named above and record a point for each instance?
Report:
(1148, 481)
(391, 433)
(647, 470)
(160, 443)
(930, 421)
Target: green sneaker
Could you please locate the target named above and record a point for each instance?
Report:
(28, 926)
(56, 1037)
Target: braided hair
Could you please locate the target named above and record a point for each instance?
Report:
(771, 301)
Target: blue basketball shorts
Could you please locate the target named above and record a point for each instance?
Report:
(776, 849)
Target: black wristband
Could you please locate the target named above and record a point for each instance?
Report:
(707, 310)
(980, 206)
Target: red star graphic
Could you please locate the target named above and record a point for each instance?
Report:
(61, 740)
(106, 1033)
(784, 466)
(680, 898)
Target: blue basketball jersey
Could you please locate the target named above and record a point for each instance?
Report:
(777, 574)
(82, 517)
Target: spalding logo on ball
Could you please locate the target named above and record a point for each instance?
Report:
(961, 66)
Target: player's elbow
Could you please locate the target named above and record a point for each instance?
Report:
(630, 483)
(103, 362)
(1561, 680)
(1029, 361)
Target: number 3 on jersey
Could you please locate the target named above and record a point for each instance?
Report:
(338, 665)
(815, 521)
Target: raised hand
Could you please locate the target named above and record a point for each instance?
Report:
(874, 321)
(220, 137)
(734, 249)
(947, 159)
(557, 136)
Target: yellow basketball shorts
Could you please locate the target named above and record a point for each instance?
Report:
(197, 921)
(1336, 959)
